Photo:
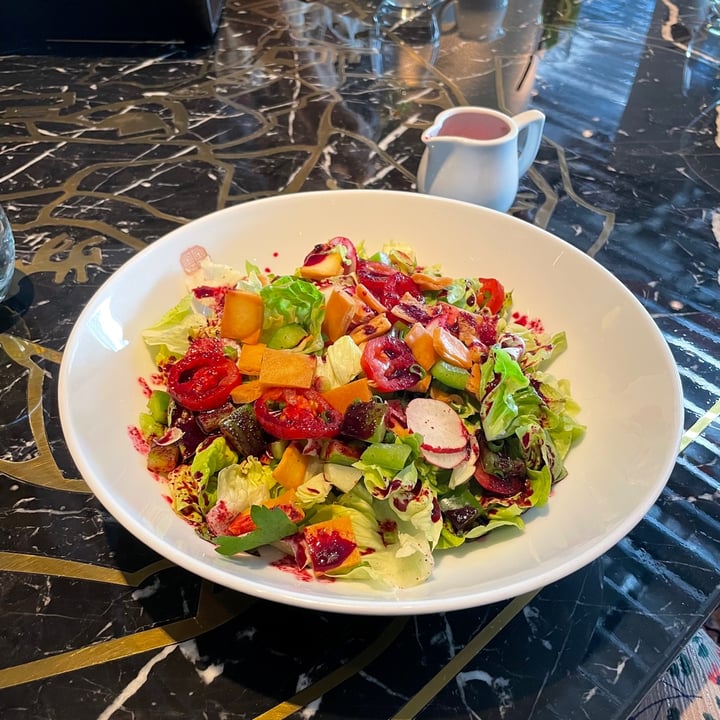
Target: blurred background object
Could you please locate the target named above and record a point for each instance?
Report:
(558, 16)
(7, 255)
(48, 25)
(702, 65)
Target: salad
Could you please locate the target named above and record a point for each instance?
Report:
(362, 415)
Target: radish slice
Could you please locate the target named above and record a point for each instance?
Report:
(191, 259)
(442, 450)
(441, 428)
(446, 460)
(463, 471)
(171, 436)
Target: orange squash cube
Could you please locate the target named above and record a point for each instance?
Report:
(247, 392)
(242, 317)
(451, 349)
(284, 368)
(343, 396)
(290, 471)
(339, 313)
(421, 342)
(250, 359)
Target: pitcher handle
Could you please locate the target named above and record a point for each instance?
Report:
(533, 122)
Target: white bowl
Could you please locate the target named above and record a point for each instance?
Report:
(619, 365)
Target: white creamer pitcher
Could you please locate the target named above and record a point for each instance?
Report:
(479, 154)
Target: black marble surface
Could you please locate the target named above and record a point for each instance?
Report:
(105, 149)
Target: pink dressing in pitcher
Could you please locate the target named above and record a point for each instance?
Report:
(474, 126)
(478, 155)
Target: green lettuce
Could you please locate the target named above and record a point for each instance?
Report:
(539, 349)
(340, 365)
(184, 492)
(406, 563)
(505, 393)
(313, 491)
(205, 466)
(171, 334)
(290, 301)
(394, 552)
(463, 292)
(240, 485)
(559, 413)
(251, 282)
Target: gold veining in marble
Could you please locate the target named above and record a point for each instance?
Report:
(59, 567)
(42, 469)
(431, 689)
(215, 608)
(77, 256)
(353, 666)
(700, 425)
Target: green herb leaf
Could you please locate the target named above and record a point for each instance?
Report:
(271, 524)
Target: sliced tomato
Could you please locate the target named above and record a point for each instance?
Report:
(389, 364)
(491, 295)
(203, 379)
(386, 283)
(296, 414)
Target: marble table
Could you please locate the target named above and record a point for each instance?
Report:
(104, 149)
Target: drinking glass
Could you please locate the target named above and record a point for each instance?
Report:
(7, 255)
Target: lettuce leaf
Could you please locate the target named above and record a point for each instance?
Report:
(244, 484)
(406, 563)
(292, 301)
(184, 493)
(394, 553)
(504, 389)
(205, 466)
(214, 274)
(340, 365)
(313, 491)
(239, 486)
(170, 335)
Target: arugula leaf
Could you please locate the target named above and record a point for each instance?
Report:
(271, 524)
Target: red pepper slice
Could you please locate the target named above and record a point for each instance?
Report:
(296, 414)
(389, 364)
(491, 295)
(203, 379)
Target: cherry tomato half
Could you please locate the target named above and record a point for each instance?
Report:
(296, 414)
(389, 364)
(491, 295)
(387, 284)
(203, 379)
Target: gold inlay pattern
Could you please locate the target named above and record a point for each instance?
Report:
(41, 469)
(335, 678)
(214, 609)
(461, 659)
(25, 563)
